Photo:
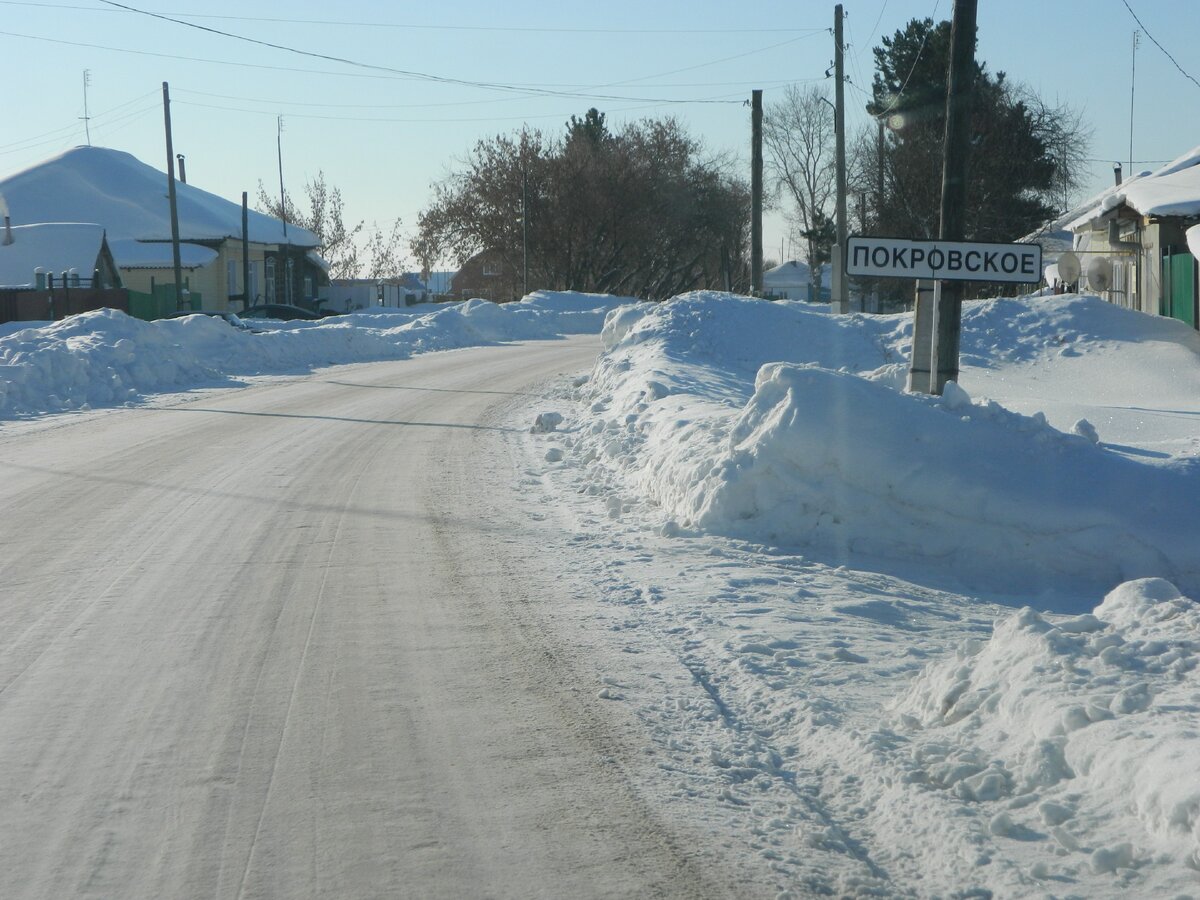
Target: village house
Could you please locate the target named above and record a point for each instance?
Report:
(128, 200)
(1131, 246)
(487, 275)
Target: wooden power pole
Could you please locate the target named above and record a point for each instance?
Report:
(171, 199)
(959, 87)
(247, 300)
(841, 292)
(756, 193)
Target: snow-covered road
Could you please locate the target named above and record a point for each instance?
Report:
(283, 642)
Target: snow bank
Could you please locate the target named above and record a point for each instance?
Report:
(1071, 724)
(693, 407)
(106, 358)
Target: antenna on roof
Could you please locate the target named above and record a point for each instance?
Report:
(282, 195)
(1132, 83)
(87, 128)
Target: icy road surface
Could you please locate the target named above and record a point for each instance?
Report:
(283, 642)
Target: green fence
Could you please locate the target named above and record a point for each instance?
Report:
(1179, 285)
(160, 302)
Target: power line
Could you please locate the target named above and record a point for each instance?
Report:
(384, 74)
(920, 52)
(1186, 74)
(308, 104)
(414, 74)
(539, 29)
(74, 126)
(409, 121)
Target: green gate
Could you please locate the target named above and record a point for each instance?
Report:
(1179, 285)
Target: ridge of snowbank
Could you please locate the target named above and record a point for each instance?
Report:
(778, 423)
(105, 357)
(1049, 717)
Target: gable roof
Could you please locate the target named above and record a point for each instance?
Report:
(1173, 190)
(55, 247)
(129, 198)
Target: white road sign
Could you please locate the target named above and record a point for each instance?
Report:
(944, 260)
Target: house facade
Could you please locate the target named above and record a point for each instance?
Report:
(129, 200)
(1131, 243)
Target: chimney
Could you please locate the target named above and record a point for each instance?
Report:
(1117, 173)
(8, 235)
(182, 171)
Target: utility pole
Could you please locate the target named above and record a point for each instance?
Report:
(947, 324)
(756, 193)
(524, 226)
(87, 127)
(247, 300)
(171, 199)
(287, 274)
(841, 293)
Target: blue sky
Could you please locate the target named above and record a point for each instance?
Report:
(384, 137)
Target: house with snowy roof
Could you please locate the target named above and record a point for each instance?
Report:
(37, 256)
(1131, 242)
(792, 280)
(127, 198)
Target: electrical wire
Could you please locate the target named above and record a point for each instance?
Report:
(537, 29)
(920, 52)
(275, 104)
(103, 127)
(1185, 73)
(426, 76)
(410, 121)
(74, 125)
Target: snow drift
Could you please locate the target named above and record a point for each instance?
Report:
(106, 358)
(781, 424)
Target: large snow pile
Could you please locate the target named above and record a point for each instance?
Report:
(785, 425)
(1049, 717)
(106, 358)
(807, 545)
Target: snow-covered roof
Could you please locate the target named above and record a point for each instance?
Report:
(131, 254)
(317, 260)
(792, 274)
(1173, 190)
(129, 198)
(54, 247)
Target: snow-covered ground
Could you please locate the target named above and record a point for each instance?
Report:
(929, 647)
(881, 644)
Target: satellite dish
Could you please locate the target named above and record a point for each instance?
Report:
(1100, 273)
(1068, 267)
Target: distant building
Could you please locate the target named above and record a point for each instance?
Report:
(487, 275)
(349, 294)
(792, 281)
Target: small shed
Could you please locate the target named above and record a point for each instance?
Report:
(34, 256)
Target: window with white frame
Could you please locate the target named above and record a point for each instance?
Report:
(271, 280)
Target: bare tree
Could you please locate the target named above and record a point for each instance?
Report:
(799, 137)
(1067, 137)
(640, 210)
(351, 251)
(384, 256)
